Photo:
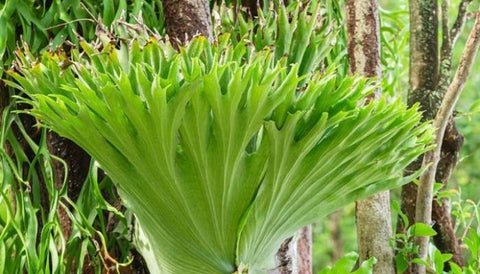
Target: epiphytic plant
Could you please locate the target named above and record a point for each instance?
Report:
(220, 157)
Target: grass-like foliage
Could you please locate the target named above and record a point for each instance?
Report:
(221, 157)
(50, 23)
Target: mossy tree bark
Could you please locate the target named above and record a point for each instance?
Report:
(374, 228)
(423, 82)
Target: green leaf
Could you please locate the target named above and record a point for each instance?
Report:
(422, 230)
(366, 267)
(446, 256)
(475, 107)
(108, 12)
(3, 257)
(345, 264)
(438, 261)
(401, 263)
(455, 268)
(420, 262)
(397, 209)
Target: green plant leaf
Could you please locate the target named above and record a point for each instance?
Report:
(455, 268)
(366, 267)
(420, 262)
(401, 263)
(421, 229)
(345, 264)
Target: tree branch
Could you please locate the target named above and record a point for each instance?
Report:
(423, 211)
(446, 35)
(449, 39)
(445, 52)
(460, 21)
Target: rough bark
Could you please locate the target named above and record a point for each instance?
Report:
(185, 19)
(304, 247)
(460, 21)
(424, 56)
(363, 31)
(374, 231)
(446, 240)
(374, 228)
(4, 98)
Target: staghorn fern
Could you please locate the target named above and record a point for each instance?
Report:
(293, 32)
(217, 155)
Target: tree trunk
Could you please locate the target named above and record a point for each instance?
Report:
(185, 19)
(374, 228)
(423, 83)
(374, 231)
(428, 87)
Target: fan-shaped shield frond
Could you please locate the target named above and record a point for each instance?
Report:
(221, 157)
